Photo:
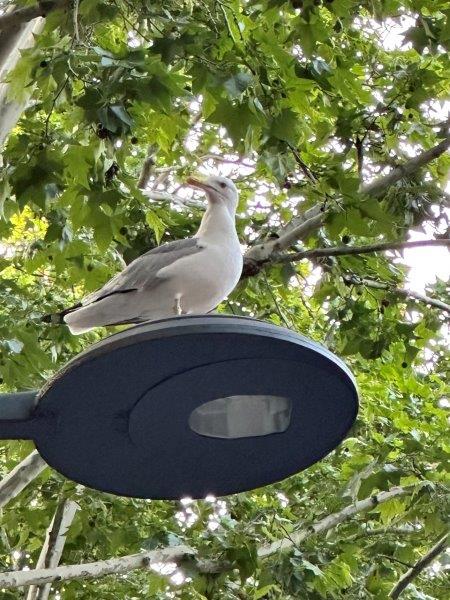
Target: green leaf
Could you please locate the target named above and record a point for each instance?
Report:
(237, 118)
(373, 209)
(115, 118)
(245, 558)
(237, 84)
(286, 126)
(108, 119)
(122, 114)
(77, 161)
(391, 509)
(102, 229)
(19, 79)
(313, 568)
(156, 224)
(264, 591)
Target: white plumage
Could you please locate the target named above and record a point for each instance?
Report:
(190, 276)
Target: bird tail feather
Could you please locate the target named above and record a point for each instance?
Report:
(75, 322)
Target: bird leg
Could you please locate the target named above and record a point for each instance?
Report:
(177, 306)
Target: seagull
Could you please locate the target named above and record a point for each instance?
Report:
(190, 276)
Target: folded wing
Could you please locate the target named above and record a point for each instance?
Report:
(120, 300)
(142, 273)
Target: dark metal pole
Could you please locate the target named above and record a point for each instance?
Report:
(17, 419)
(18, 405)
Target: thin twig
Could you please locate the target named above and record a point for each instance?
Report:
(223, 159)
(269, 253)
(147, 167)
(393, 559)
(420, 565)
(303, 166)
(167, 197)
(385, 531)
(407, 294)
(359, 145)
(134, 28)
(345, 250)
(275, 301)
(76, 31)
(58, 94)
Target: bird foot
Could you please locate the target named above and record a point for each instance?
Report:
(177, 309)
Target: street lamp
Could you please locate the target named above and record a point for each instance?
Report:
(188, 406)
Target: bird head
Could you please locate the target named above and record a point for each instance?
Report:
(219, 190)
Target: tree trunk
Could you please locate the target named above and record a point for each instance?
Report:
(12, 41)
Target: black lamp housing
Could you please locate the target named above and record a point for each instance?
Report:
(188, 406)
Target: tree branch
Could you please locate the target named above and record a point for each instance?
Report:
(313, 218)
(331, 521)
(345, 250)
(301, 227)
(179, 200)
(375, 188)
(408, 294)
(123, 564)
(177, 554)
(420, 565)
(230, 161)
(23, 15)
(384, 531)
(53, 547)
(20, 477)
(147, 167)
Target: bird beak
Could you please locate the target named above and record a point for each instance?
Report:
(198, 183)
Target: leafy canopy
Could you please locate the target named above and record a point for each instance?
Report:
(300, 101)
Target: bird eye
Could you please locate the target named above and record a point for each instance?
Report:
(222, 184)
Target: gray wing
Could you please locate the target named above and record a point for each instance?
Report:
(143, 271)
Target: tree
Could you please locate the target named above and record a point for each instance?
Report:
(335, 132)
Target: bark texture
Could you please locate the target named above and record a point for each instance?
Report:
(23, 474)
